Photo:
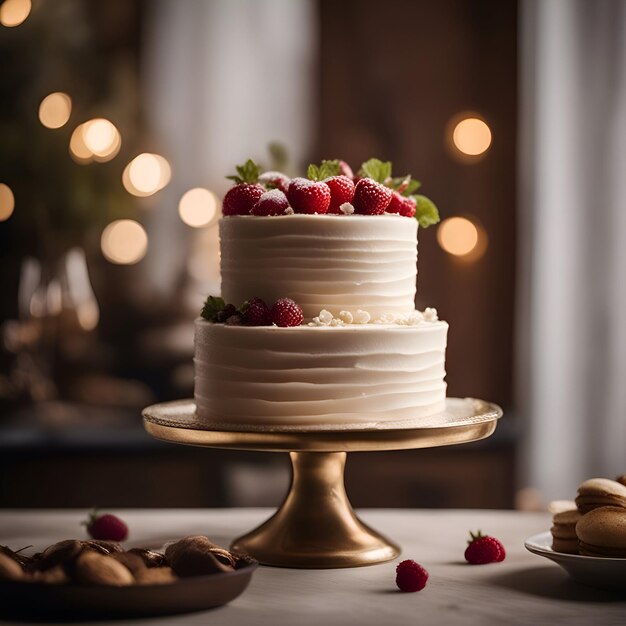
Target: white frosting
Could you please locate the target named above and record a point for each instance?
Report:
(331, 262)
(346, 374)
(325, 318)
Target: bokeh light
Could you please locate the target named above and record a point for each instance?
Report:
(55, 110)
(146, 174)
(197, 207)
(124, 242)
(461, 237)
(7, 202)
(14, 12)
(471, 136)
(101, 138)
(95, 140)
(78, 148)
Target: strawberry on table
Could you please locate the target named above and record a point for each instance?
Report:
(240, 199)
(484, 549)
(107, 527)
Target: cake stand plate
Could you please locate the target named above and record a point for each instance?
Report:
(316, 527)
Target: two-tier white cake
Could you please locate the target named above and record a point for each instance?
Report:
(363, 355)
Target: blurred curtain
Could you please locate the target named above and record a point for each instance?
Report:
(223, 78)
(572, 296)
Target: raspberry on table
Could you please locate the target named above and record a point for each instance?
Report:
(410, 576)
(483, 549)
(106, 527)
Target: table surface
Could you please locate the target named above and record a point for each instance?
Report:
(524, 589)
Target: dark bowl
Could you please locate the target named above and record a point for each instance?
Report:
(47, 602)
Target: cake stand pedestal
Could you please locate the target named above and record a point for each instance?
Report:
(316, 527)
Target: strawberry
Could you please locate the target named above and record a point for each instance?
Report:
(240, 199)
(484, 549)
(410, 576)
(307, 196)
(106, 527)
(275, 180)
(255, 312)
(272, 202)
(341, 190)
(285, 313)
(400, 204)
(370, 197)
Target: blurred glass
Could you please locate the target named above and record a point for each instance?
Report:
(56, 305)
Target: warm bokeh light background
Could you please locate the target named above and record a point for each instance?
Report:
(113, 157)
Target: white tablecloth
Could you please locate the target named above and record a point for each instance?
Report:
(524, 589)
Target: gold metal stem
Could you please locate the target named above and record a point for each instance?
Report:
(316, 527)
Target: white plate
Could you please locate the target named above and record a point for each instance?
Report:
(594, 571)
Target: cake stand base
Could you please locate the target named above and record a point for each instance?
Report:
(316, 527)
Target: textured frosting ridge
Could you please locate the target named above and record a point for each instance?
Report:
(321, 261)
(319, 375)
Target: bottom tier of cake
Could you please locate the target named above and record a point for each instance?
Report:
(318, 375)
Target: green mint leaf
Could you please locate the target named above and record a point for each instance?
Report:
(329, 168)
(426, 212)
(212, 306)
(385, 171)
(376, 169)
(404, 185)
(412, 187)
(247, 173)
(323, 171)
(313, 172)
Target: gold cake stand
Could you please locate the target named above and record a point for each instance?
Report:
(316, 527)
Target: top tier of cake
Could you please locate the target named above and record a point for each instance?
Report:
(331, 262)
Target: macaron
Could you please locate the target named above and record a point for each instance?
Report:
(564, 538)
(602, 532)
(597, 492)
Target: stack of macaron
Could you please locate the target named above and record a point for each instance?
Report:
(564, 537)
(595, 524)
